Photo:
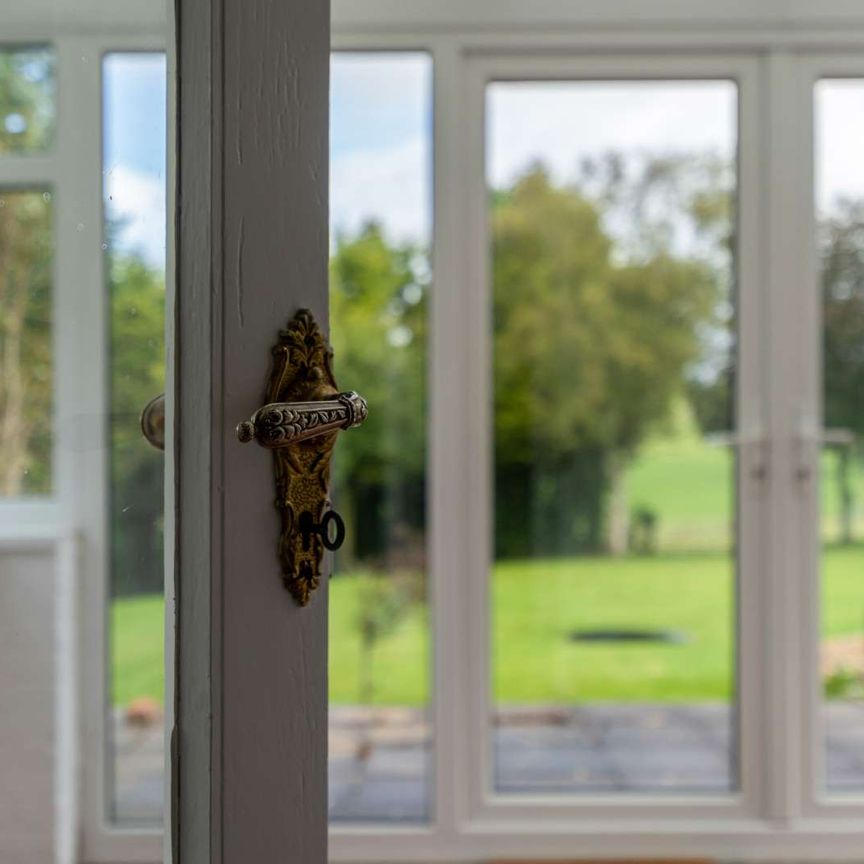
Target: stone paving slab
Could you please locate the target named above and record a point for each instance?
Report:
(380, 759)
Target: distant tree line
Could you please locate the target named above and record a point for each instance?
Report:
(593, 337)
(26, 245)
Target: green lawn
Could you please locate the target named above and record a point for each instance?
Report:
(137, 650)
(686, 587)
(688, 483)
(537, 605)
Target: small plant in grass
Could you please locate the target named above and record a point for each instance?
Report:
(844, 683)
(383, 602)
(644, 527)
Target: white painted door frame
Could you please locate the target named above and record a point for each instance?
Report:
(250, 742)
(749, 411)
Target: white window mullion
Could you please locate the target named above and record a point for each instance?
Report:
(80, 385)
(24, 171)
(753, 448)
(449, 455)
(479, 442)
(792, 418)
(810, 433)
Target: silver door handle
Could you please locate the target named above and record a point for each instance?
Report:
(753, 447)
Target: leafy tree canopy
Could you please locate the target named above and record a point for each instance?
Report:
(26, 99)
(842, 253)
(588, 351)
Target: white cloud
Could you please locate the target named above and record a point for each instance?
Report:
(390, 82)
(137, 201)
(565, 122)
(559, 122)
(389, 185)
(839, 141)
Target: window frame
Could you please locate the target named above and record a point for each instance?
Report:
(102, 839)
(821, 802)
(779, 811)
(77, 505)
(791, 44)
(485, 803)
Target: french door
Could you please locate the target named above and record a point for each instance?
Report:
(749, 121)
(657, 667)
(566, 351)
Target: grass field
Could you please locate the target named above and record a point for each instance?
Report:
(686, 587)
(537, 605)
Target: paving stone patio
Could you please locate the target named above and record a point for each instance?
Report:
(380, 759)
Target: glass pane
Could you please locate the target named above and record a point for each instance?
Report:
(840, 211)
(611, 206)
(134, 116)
(26, 99)
(26, 365)
(380, 279)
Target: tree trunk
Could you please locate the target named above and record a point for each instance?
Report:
(846, 496)
(619, 506)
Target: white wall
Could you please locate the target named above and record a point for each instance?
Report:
(53, 17)
(37, 711)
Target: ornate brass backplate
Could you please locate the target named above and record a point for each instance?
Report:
(299, 423)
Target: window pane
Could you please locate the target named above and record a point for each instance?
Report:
(380, 276)
(379, 642)
(134, 112)
(840, 209)
(26, 99)
(614, 345)
(26, 373)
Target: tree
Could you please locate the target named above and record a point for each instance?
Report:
(25, 285)
(589, 351)
(25, 343)
(378, 317)
(595, 334)
(842, 254)
(26, 100)
(136, 374)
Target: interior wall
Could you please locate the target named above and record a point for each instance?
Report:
(37, 651)
(81, 16)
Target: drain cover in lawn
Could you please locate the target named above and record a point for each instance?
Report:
(669, 637)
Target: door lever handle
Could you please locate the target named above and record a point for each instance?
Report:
(303, 412)
(279, 424)
(153, 422)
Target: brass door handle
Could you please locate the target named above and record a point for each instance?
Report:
(299, 422)
(282, 423)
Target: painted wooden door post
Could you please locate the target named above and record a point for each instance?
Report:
(249, 773)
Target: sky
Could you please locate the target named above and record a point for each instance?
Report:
(133, 150)
(381, 131)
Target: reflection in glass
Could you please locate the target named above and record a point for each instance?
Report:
(27, 106)
(840, 211)
(134, 114)
(613, 587)
(380, 279)
(26, 374)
